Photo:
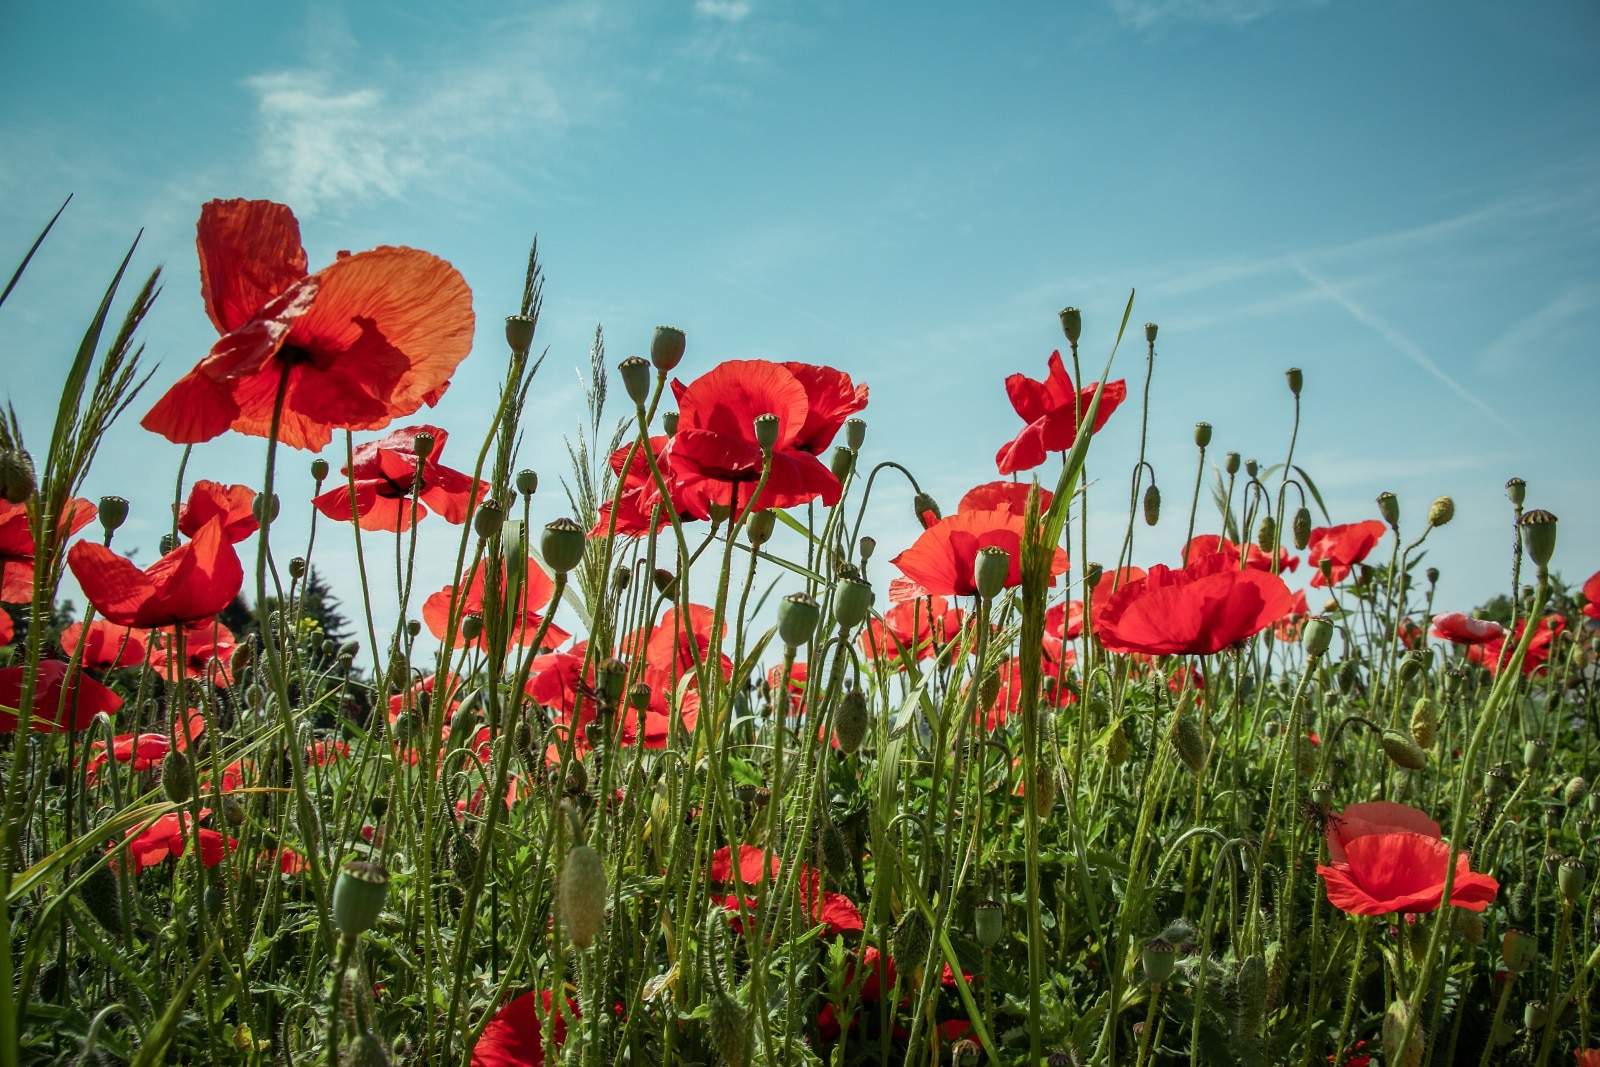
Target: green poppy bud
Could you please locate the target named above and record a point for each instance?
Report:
(1267, 534)
(1573, 794)
(265, 508)
(582, 893)
(1516, 491)
(842, 463)
(1403, 751)
(1202, 434)
(1534, 753)
(988, 923)
(1158, 959)
(1496, 782)
(666, 348)
(664, 581)
(1441, 511)
(758, 528)
(1539, 536)
(1518, 950)
(319, 469)
(472, 626)
(767, 427)
(562, 545)
(1424, 722)
(1317, 635)
(1412, 664)
(612, 675)
(797, 619)
(1152, 505)
(422, 444)
(358, 896)
(855, 434)
(991, 570)
(926, 509)
(17, 478)
(1570, 877)
(1297, 379)
(852, 600)
(850, 722)
(1189, 742)
(527, 482)
(113, 513)
(1250, 988)
(1301, 527)
(519, 332)
(1072, 324)
(1230, 463)
(621, 578)
(1389, 508)
(669, 423)
(177, 777)
(728, 1029)
(635, 373)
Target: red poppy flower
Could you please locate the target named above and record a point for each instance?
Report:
(554, 681)
(759, 869)
(142, 752)
(192, 582)
(1050, 408)
(913, 629)
(1003, 496)
(715, 446)
(7, 628)
(386, 471)
(1375, 817)
(287, 860)
(1213, 544)
(798, 673)
(207, 652)
(366, 340)
(675, 645)
(1591, 593)
(640, 495)
(419, 697)
(1288, 628)
(1054, 692)
(1400, 871)
(83, 699)
(1355, 1058)
(326, 751)
(235, 505)
(941, 559)
(1409, 634)
(514, 1037)
(525, 621)
(1197, 611)
(1491, 653)
(1587, 1057)
(106, 645)
(169, 836)
(1343, 547)
(17, 549)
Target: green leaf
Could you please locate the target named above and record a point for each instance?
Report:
(16, 275)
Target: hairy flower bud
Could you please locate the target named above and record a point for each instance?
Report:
(562, 544)
(926, 508)
(1189, 742)
(850, 721)
(1441, 511)
(1301, 526)
(665, 581)
(1574, 792)
(1424, 722)
(1267, 534)
(1152, 505)
(17, 478)
(1403, 751)
(666, 347)
(177, 777)
(582, 894)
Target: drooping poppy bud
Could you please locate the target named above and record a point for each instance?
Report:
(728, 1029)
(1189, 742)
(1152, 505)
(1267, 534)
(1302, 527)
(1403, 751)
(562, 544)
(926, 508)
(797, 619)
(850, 722)
(177, 777)
(667, 347)
(17, 478)
(664, 581)
(358, 896)
(911, 940)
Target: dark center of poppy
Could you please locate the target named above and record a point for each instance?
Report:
(294, 356)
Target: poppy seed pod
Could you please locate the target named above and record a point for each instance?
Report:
(1539, 536)
(1518, 950)
(297, 568)
(1251, 468)
(422, 444)
(1267, 534)
(639, 696)
(766, 428)
(1432, 574)
(1230, 463)
(519, 332)
(1535, 1014)
(1150, 331)
(562, 544)
(487, 520)
(635, 373)
(666, 347)
(319, 469)
(1072, 324)
(1534, 753)
(1403, 751)
(850, 722)
(265, 508)
(866, 547)
(621, 578)
(1571, 877)
(358, 896)
(177, 777)
(758, 528)
(1322, 795)
(855, 434)
(527, 482)
(413, 627)
(113, 513)
(1301, 527)
(1317, 635)
(842, 463)
(1152, 505)
(1516, 491)
(669, 423)
(988, 923)
(1389, 508)
(992, 568)
(852, 600)
(472, 626)
(612, 675)
(1325, 568)
(1496, 781)
(1441, 511)
(1296, 378)
(1158, 959)
(582, 894)
(797, 619)
(924, 505)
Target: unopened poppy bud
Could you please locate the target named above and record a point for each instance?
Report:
(1534, 753)
(1496, 781)
(472, 626)
(758, 528)
(519, 332)
(1202, 434)
(1267, 534)
(669, 423)
(635, 372)
(240, 659)
(17, 478)
(842, 463)
(113, 513)
(1441, 511)
(1539, 536)
(1516, 491)
(855, 434)
(621, 578)
(988, 923)
(1071, 324)
(1317, 635)
(910, 940)
(1403, 751)
(1251, 468)
(1571, 877)
(1325, 567)
(1297, 379)
(297, 568)
(767, 427)
(666, 347)
(612, 676)
(582, 894)
(664, 581)
(1271, 728)
(1573, 794)
(265, 508)
(1389, 508)
(1432, 574)
(1230, 463)
(1412, 663)
(422, 444)
(1407, 1053)
(1300, 526)
(1158, 959)
(1150, 331)
(1189, 743)
(991, 570)
(177, 777)
(358, 896)
(852, 600)
(1518, 950)
(562, 544)
(1091, 575)
(850, 722)
(319, 469)
(797, 619)
(169, 543)
(926, 508)
(1152, 505)
(866, 547)
(488, 519)
(1424, 722)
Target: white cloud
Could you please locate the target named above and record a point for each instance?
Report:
(1569, 308)
(726, 10)
(1142, 14)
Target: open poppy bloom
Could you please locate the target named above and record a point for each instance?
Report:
(57, 707)
(640, 495)
(169, 836)
(192, 582)
(1288, 628)
(1401, 871)
(8, 630)
(525, 618)
(1003, 496)
(1463, 629)
(1375, 817)
(715, 451)
(368, 339)
(1587, 1057)
(1591, 593)
(17, 550)
(327, 750)
(1050, 408)
(1213, 544)
(1197, 611)
(558, 681)
(759, 870)
(1007, 687)
(106, 645)
(1343, 547)
(675, 645)
(235, 505)
(514, 1037)
(143, 752)
(911, 629)
(387, 470)
(1492, 653)
(207, 652)
(942, 558)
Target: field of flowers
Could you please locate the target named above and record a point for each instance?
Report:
(702, 774)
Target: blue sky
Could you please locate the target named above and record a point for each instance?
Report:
(1401, 198)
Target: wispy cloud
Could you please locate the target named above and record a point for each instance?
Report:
(1397, 339)
(1566, 310)
(726, 10)
(1143, 14)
